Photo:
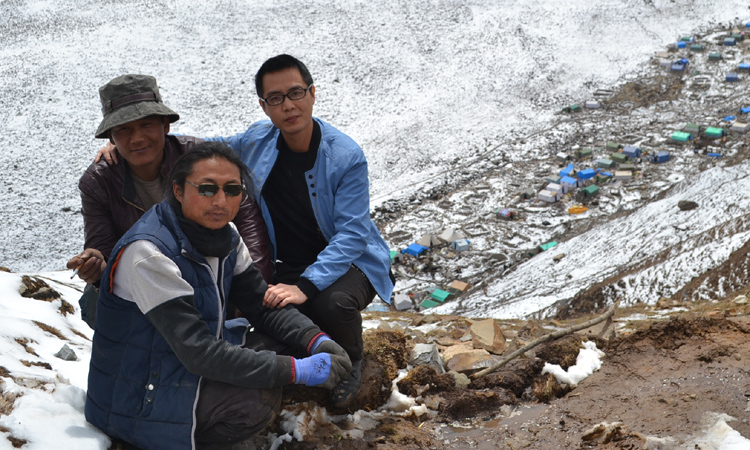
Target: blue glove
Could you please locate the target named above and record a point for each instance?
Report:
(320, 370)
(317, 340)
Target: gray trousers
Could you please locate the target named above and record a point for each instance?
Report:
(228, 414)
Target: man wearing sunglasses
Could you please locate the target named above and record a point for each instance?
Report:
(167, 370)
(114, 197)
(312, 184)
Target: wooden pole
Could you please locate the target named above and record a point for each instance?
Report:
(555, 335)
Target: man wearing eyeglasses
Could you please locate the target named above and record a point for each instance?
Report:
(114, 197)
(312, 184)
(167, 370)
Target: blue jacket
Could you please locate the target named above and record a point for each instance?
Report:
(138, 389)
(339, 191)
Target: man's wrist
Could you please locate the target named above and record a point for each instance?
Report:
(307, 287)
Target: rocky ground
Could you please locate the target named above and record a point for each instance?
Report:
(663, 375)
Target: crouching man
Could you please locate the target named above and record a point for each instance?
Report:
(167, 371)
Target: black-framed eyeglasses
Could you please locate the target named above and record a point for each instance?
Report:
(294, 94)
(210, 189)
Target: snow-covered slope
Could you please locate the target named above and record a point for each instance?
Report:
(418, 84)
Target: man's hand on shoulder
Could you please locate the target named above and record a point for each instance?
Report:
(280, 295)
(108, 153)
(90, 264)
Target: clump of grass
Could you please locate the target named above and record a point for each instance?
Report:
(23, 342)
(50, 330)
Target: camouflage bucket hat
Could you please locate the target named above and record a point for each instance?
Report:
(128, 98)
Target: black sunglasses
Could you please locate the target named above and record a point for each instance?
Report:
(210, 189)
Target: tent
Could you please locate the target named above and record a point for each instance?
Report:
(428, 240)
(414, 249)
(586, 174)
(450, 235)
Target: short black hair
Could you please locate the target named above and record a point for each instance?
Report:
(183, 167)
(279, 63)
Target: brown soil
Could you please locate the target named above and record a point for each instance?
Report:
(658, 379)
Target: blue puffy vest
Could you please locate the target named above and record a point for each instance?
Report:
(138, 390)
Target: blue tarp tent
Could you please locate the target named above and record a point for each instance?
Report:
(586, 174)
(567, 170)
(631, 151)
(414, 249)
(661, 157)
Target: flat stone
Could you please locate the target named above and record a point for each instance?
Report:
(472, 361)
(487, 335)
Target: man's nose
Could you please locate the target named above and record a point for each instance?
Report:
(288, 103)
(219, 198)
(137, 135)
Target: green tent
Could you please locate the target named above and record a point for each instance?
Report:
(440, 295)
(618, 158)
(714, 132)
(691, 128)
(590, 191)
(605, 163)
(427, 303)
(680, 136)
(547, 246)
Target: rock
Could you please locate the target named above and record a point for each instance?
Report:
(66, 354)
(686, 205)
(666, 303)
(488, 335)
(469, 360)
(531, 330)
(740, 300)
(38, 289)
(427, 354)
(603, 433)
(462, 380)
(558, 257)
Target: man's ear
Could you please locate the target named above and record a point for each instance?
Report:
(177, 191)
(166, 125)
(312, 93)
(262, 106)
(111, 141)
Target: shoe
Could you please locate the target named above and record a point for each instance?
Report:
(346, 391)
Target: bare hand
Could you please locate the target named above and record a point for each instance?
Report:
(90, 264)
(280, 295)
(108, 152)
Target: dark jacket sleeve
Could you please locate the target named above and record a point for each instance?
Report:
(252, 229)
(99, 227)
(286, 325)
(181, 325)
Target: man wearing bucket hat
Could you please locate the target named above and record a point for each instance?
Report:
(114, 197)
(311, 181)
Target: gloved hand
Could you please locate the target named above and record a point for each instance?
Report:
(325, 344)
(322, 370)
